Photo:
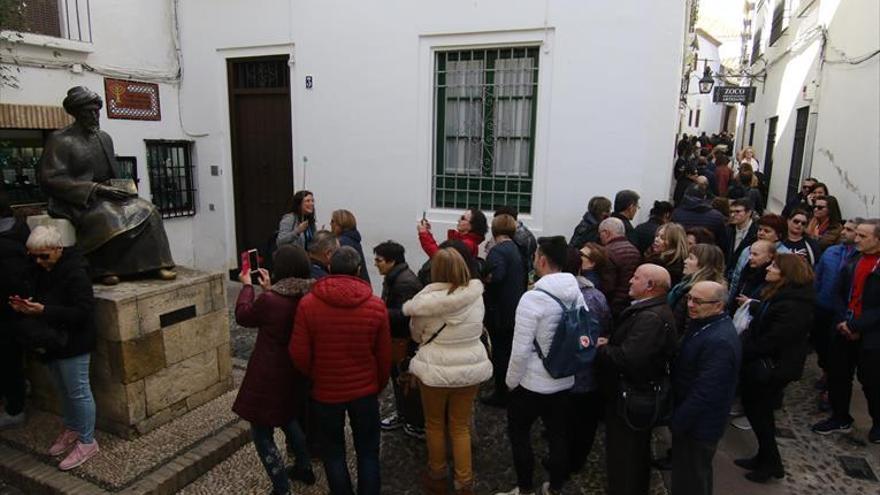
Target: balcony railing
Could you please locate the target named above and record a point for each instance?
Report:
(69, 19)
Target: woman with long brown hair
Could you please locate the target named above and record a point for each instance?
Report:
(669, 250)
(705, 262)
(447, 322)
(774, 351)
(826, 226)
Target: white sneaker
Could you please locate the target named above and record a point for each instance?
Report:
(545, 489)
(515, 491)
(741, 422)
(8, 421)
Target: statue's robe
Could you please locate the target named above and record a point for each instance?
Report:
(118, 237)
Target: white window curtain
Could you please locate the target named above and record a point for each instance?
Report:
(465, 81)
(514, 97)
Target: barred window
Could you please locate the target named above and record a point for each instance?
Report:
(484, 122)
(172, 184)
(756, 46)
(128, 168)
(779, 22)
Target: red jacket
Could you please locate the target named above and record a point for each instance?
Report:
(472, 240)
(341, 340)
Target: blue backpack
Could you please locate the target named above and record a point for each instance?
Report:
(573, 347)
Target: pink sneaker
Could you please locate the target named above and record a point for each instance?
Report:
(80, 454)
(64, 442)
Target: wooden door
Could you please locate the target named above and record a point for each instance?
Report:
(262, 158)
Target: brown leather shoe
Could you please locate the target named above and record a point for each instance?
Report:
(110, 280)
(166, 274)
(464, 488)
(434, 484)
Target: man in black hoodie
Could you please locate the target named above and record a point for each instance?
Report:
(695, 211)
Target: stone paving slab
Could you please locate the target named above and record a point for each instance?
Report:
(121, 462)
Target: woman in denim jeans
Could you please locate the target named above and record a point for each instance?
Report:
(59, 324)
(273, 394)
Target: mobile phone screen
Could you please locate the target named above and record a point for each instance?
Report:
(254, 260)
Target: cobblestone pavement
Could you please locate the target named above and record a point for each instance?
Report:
(811, 461)
(9, 490)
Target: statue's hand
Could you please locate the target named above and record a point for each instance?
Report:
(112, 193)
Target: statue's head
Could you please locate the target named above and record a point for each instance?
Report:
(85, 106)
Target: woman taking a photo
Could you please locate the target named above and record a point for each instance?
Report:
(447, 322)
(669, 250)
(298, 226)
(273, 394)
(773, 354)
(705, 262)
(826, 226)
(344, 225)
(471, 230)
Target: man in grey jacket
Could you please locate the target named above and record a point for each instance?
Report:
(534, 393)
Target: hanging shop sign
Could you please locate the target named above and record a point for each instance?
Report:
(734, 94)
(132, 100)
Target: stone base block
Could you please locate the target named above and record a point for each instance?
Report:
(162, 350)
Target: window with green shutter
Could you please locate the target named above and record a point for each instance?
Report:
(484, 121)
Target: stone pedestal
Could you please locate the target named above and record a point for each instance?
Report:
(163, 350)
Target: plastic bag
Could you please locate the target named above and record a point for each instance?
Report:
(742, 318)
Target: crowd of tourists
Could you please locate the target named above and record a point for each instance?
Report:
(706, 310)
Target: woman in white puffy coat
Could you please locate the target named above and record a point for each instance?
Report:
(447, 322)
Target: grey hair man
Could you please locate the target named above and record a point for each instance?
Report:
(321, 249)
(634, 357)
(624, 258)
(704, 381)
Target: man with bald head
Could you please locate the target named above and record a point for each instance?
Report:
(624, 258)
(704, 378)
(635, 358)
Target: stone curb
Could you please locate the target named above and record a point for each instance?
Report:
(30, 475)
(34, 477)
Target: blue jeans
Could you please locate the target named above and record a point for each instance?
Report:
(264, 443)
(71, 377)
(363, 414)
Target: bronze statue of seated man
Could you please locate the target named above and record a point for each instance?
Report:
(120, 234)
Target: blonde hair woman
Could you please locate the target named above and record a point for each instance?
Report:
(669, 250)
(344, 224)
(447, 322)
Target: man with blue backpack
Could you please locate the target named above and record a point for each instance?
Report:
(554, 338)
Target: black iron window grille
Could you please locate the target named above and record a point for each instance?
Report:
(778, 24)
(128, 168)
(69, 19)
(756, 47)
(484, 123)
(261, 74)
(18, 167)
(172, 181)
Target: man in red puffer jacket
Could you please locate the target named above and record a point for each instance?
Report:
(341, 340)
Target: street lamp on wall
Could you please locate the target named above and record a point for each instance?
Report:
(707, 81)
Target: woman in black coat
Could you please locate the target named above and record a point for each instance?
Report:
(344, 225)
(505, 282)
(59, 323)
(774, 350)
